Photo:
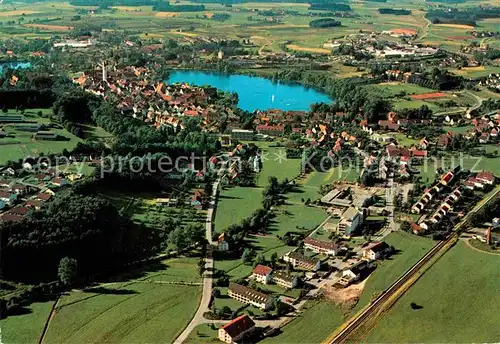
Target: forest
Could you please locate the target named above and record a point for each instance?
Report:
(397, 12)
(106, 3)
(85, 227)
(467, 16)
(327, 5)
(324, 22)
(167, 7)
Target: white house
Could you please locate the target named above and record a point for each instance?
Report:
(262, 274)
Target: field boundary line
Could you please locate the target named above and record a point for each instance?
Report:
(49, 319)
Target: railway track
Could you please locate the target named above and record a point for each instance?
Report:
(376, 306)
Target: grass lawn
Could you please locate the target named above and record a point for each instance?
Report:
(275, 164)
(235, 204)
(315, 179)
(404, 140)
(459, 130)
(20, 144)
(26, 328)
(459, 300)
(472, 163)
(313, 325)
(142, 310)
(125, 313)
(203, 334)
(411, 248)
(291, 216)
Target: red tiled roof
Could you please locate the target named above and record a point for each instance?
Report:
(488, 176)
(19, 210)
(7, 217)
(238, 325)
(44, 196)
(262, 270)
(271, 127)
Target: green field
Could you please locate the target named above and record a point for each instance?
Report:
(316, 321)
(27, 327)
(134, 311)
(410, 249)
(203, 334)
(459, 300)
(21, 143)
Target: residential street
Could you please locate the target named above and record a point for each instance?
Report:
(207, 277)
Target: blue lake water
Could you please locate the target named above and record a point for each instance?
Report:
(14, 65)
(255, 93)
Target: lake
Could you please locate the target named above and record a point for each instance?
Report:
(255, 93)
(14, 65)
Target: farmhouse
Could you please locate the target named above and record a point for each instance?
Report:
(8, 217)
(236, 329)
(300, 261)
(375, 250)
(320, 246)
(247, 295)
(262, 274)
(197, 200)
(353, 273)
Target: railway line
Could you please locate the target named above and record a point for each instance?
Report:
(400, 286)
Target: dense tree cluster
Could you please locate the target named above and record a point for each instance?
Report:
(397, 12)
(349, 93)
(88, 229)
(466, 16)
(329, 5)
(167, 7)
(324, 22)
(112, 2)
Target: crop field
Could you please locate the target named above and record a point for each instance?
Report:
(393, 89)
(475, 72)
(463, 283)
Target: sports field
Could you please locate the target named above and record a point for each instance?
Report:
(459, 302)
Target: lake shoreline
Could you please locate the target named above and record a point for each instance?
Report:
(255, 92)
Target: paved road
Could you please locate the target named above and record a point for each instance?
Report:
(207, 277)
